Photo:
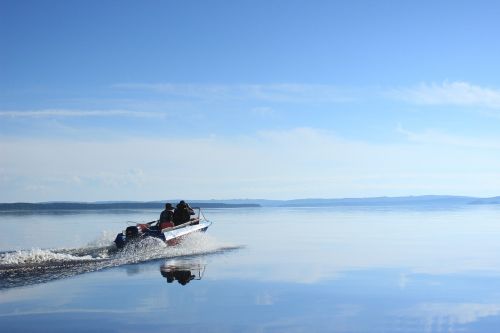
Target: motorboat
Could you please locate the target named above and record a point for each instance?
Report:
(171, 236)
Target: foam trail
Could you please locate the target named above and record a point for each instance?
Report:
(101, 247)
(37, 256)
(105, 239)
(26, 267)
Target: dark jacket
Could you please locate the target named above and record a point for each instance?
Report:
(166, 216)
(182, 214)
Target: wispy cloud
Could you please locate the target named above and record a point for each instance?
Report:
(450, 93)
(448, 315)
(280, 92)
(263, 111)
(77, 113)
(456, 93)
(435, 137)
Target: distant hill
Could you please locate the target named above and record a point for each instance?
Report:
(374, 201)
(486, 201)
(384, 201)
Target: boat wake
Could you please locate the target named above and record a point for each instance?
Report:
(26, 267)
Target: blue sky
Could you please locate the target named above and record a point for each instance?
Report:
(133, 100)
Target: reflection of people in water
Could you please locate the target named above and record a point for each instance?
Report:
(182, 270)
(182, 276)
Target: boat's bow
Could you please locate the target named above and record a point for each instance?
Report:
(173, 233)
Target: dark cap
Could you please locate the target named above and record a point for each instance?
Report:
(168, 205)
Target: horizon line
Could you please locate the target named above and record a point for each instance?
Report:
(256, 199)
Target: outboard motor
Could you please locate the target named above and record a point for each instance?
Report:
(131, 233)
(120, 240)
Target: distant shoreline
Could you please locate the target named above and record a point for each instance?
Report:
(422, 200)
(66, 206)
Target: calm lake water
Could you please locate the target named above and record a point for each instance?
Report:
(358, 269)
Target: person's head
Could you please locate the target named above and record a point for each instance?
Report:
(168, 206)
(182, 202)
(183, 278)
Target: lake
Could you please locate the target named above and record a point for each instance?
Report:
(332, 269)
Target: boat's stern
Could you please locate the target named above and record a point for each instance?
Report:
(132, 232)
(120, 240)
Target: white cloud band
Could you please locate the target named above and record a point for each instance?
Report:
(281, 92)
(76, 113)
(450, 93)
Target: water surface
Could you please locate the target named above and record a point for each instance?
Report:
(354, 269)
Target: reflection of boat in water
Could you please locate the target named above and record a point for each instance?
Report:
(171, 236)
(182, 270)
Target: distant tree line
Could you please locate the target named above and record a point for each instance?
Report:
(24, 206)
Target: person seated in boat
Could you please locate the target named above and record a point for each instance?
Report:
(182, 213)
(166, 217)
